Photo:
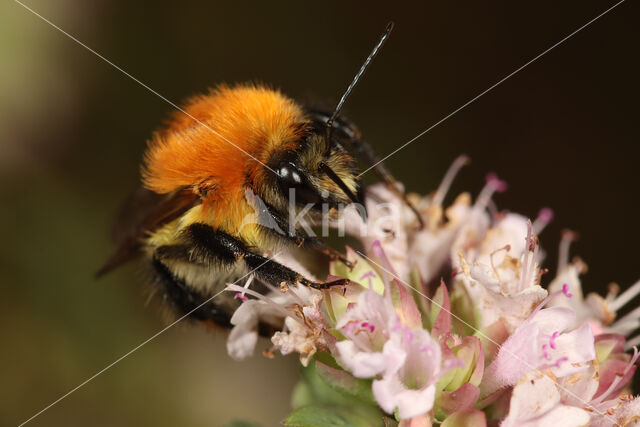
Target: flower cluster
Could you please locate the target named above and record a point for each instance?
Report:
(451, 324)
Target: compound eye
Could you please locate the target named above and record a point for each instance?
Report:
(289, 177)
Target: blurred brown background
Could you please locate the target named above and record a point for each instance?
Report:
(563, 133)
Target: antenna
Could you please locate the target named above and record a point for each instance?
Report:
(353, 84)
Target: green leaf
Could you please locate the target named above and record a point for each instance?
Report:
(343, 381)
(302, 395)
(320, 416)
(324, 382)
(327, 395)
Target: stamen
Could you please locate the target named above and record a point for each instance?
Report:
(612, 293)
(371, 327)
(453, 170)
(261, 297)
(493, 210)
(493, 185)
(627, 323)
(552, 340)
(504, 248)
(369, 275)
(625, 297)
(541, 273)
(564, 291)
(525, 260)
(545, 216)
(499, 185)
(240, 296)
(532, 267)
(568, 237)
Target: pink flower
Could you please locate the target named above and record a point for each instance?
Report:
(599, 312)
(578, 399)
(542, 342)
(367, 325)
(622, 411)
(410, 386)
(536, 401)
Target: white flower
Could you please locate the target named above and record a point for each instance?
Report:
(394, 225)
(502, 276)
(298, 308)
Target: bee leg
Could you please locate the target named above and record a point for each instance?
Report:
(368, 155)
(186, 300)
(222, 247)
(278, 274)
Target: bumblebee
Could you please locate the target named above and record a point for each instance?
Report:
(239, 152)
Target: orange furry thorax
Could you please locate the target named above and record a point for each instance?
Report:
(207, 154)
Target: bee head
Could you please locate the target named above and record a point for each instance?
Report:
(318, 177)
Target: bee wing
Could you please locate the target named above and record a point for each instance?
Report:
(142, 212)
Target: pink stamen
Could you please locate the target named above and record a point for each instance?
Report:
(499, 186)
(545, 216)
(493, 185)
(565, 291)
(552, 340)
(368, 326)
(369, 275)
(240, 296)
(265, 299)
